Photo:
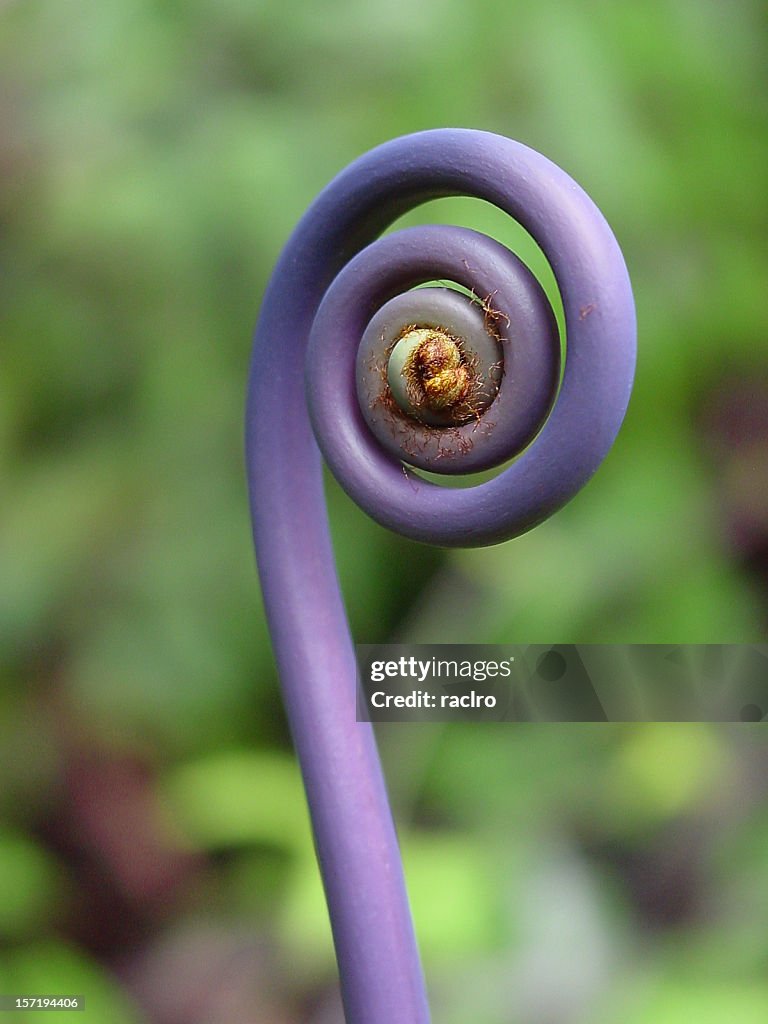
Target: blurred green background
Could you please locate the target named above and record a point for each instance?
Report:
(154, 849)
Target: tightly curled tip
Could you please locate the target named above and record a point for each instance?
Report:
(455, 397)
(435, 371)
(551, 431)
(359, 293)
(428, 372)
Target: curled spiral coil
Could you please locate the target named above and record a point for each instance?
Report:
(338, 308)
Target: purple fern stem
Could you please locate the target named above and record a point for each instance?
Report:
(332, 278)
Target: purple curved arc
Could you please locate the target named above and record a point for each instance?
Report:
(356, 844)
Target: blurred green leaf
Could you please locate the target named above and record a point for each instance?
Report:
(52, 968)
(30, 890)
(240, 798)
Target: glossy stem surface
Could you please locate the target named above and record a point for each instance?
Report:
(356, 844)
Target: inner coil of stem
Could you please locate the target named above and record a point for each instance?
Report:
(449, 381)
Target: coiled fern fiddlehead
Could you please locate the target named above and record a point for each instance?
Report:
(384, 376)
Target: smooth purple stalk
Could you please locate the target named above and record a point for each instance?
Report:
(381, 977)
